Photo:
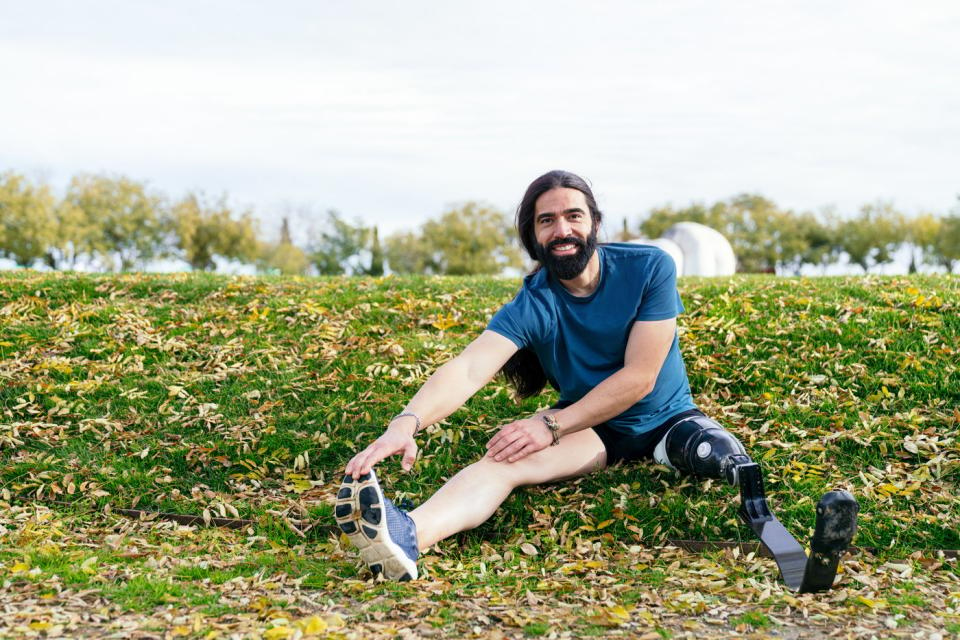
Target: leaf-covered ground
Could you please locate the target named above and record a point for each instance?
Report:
(243, 398)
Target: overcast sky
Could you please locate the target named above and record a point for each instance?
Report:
(390, 111)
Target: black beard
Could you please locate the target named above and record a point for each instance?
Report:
(567, 267)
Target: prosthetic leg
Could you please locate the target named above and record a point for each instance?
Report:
(700, 447)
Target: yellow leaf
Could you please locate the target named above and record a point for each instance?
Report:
(313, 625)
(180, 630)
(604, 524)
(618, 613)
(445, 322)
(873, 604)
(20, 567)
(88, 565)
(278, 633)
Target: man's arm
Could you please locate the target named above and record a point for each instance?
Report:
(647, 348)
(443, 393)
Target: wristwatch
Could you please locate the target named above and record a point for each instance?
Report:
(551, 421)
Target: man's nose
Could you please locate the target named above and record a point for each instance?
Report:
(562, 228)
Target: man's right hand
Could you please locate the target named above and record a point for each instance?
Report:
(394, 440)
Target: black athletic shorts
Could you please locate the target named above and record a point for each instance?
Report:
(623, 447)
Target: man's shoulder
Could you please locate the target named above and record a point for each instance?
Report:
(535, 294)
(636, 265)
(535, 282)
(632, 251)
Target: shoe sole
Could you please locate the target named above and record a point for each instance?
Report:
(360, 515)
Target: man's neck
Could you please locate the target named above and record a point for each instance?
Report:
(585, 283)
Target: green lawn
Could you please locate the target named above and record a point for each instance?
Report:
(244, 398)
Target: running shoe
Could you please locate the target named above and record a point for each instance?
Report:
(385, 535)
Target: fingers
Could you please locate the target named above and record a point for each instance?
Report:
(509, 443)
(519, 444)
(373, 458)
(523, 453)
(409, 455)
(364, 461)
(504, 438)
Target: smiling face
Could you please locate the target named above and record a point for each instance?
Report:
(565, 235)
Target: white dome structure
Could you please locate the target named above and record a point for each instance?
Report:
(696, 249)
(671, 247)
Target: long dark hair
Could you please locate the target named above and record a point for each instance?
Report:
(523, 370)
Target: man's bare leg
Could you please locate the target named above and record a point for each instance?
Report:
(470, 497)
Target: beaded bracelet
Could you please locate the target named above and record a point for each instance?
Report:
(412, 415)
(551, 421)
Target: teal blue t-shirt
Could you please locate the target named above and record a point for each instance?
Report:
(581, 341)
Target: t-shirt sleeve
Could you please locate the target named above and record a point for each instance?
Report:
(508, 322)
(660, 299)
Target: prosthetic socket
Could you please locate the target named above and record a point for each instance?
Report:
(700, 447)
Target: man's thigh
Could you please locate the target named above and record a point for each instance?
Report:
(577, 454)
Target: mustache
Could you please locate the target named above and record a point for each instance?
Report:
(579, 243)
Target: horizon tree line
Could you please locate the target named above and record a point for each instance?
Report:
(113, 223)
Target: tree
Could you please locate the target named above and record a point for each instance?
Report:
(764, 237)
(821, 239)
(871, 237)
(337, 248)
(204, 231)
(921, 232)
(946, 246)
(27, 222)
(129, 219)
(376, 255)
(76, 236)
(283, 257)
(662, 218)
(407, 253)
(468, 239)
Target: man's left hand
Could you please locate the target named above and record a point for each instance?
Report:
(519, 439)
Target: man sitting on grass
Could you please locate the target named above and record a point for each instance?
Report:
(598, 323)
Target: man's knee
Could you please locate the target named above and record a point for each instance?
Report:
(702, 448)
(487, 469)
(512, 474)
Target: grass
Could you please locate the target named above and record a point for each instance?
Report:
(755, 619)
(244, 397)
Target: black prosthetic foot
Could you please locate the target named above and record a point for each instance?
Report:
(836, 525)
